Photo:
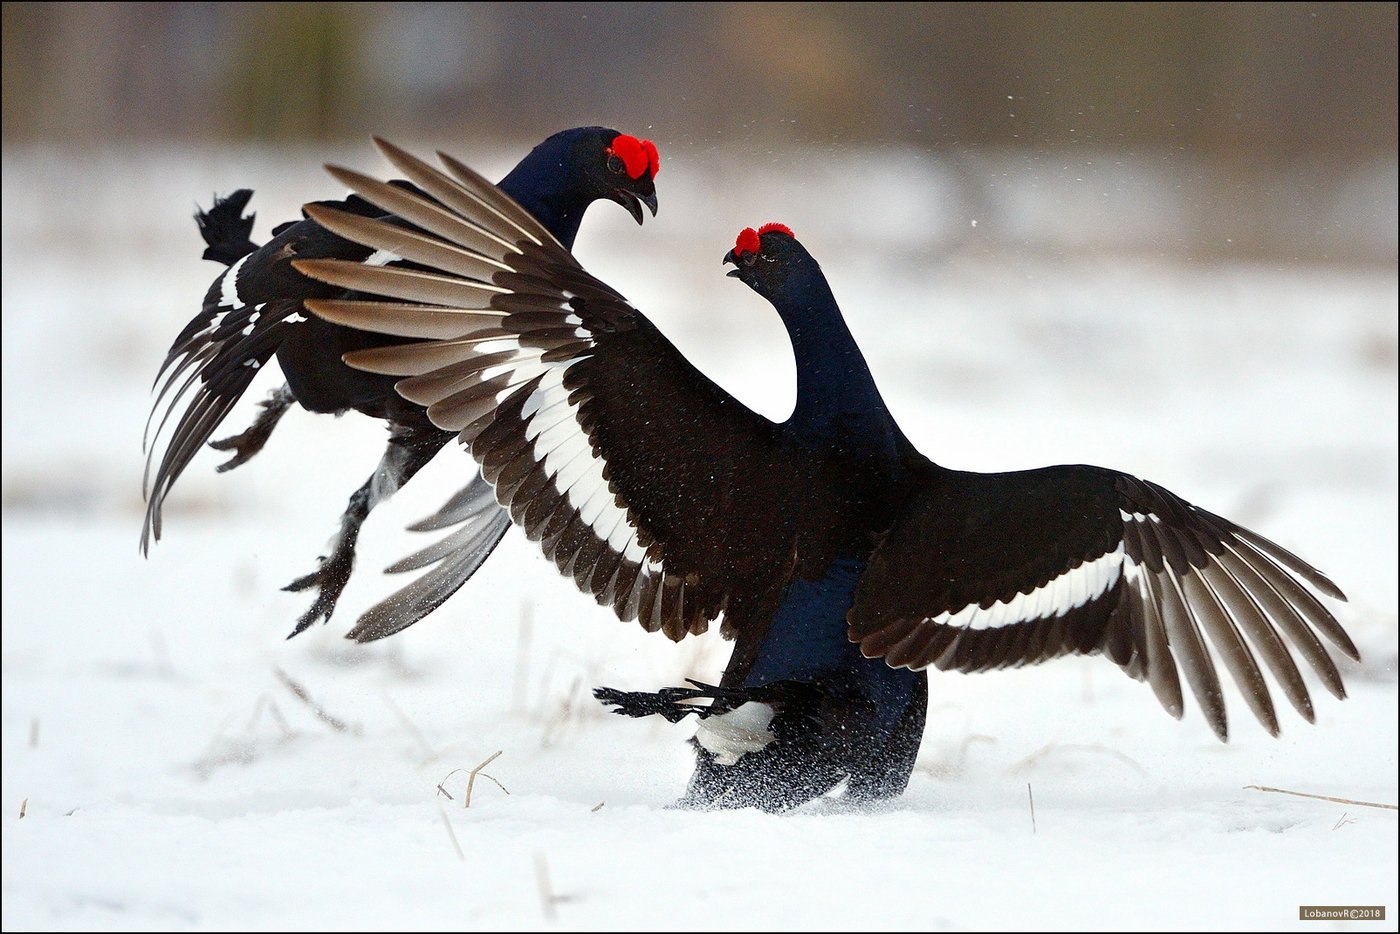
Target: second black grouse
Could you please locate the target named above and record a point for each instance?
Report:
(254, 310)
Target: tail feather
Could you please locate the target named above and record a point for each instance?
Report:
(226, 229)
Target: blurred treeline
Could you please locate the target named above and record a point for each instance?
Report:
(1257, 82)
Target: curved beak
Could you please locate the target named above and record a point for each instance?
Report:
(731, 258)
(633, 202)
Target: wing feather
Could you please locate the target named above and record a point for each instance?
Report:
(572, 402)
(982, 571)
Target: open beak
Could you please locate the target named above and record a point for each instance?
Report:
(731, 258)
(633, 202)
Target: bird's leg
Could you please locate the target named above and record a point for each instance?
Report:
(886, 773)
(410, 447)
(251, 441)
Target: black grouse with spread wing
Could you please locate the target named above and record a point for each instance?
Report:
(845, 564)
(255, 309)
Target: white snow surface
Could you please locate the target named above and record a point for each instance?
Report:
(162, 772)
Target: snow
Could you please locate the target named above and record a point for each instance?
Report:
(180, 766)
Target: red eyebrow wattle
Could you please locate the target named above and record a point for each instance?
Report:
(780, 228)
(746, 242)
(634, 153)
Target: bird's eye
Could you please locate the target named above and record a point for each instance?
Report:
(749, 258)
(615, 164)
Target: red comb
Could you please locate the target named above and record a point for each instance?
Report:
(780, 228)
(637, 155)
(746, 242)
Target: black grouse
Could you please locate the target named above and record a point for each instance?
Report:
(255, 309)
(845, 563)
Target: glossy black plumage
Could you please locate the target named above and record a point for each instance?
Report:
(844, 562)
(255, 310)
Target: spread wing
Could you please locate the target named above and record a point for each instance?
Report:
(209, 367)
(478, 525)
(651, 487)
(985, 571)
(249, 310)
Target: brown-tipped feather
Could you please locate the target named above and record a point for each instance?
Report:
(1261, 633)
(1239, 661)
(407, 284)
(1294, 563)
(1161, 666)
(406, 243)
(460, 555)
(1185, 637)
(1286, 618)
(457, 410)
(422, 321)
(462, 373)
(433, 218)
(1299, 596)
(462, 199)
(418, 359)
(495, 199)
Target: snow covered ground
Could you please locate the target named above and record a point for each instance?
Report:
(170, 763)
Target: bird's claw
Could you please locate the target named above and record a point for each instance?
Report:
(667, 702)
(331, 578)
(250, 441)
(246, 445)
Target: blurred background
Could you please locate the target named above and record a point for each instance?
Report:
(1262, 83)
(1156, 237)
(1279, 118)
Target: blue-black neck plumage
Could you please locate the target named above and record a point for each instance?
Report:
(546, 183)
(837, 403)
(840, 418)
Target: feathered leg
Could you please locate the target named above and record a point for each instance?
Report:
(886, 773)
(413, 441)
(251, 441)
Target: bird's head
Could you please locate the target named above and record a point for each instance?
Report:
(618, 167)
(765, 258)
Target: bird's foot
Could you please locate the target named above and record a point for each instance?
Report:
(667, 702)
(330, 580)
(249, 442)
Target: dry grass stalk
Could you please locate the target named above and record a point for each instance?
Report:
(1304, 794)
(452, 834)
(471, 777)
(300, 693)
(1031, 798)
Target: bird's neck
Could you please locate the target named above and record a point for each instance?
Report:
(835, 390)
(545, 184)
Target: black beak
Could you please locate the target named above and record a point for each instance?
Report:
(633, 203)
(731, 258)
